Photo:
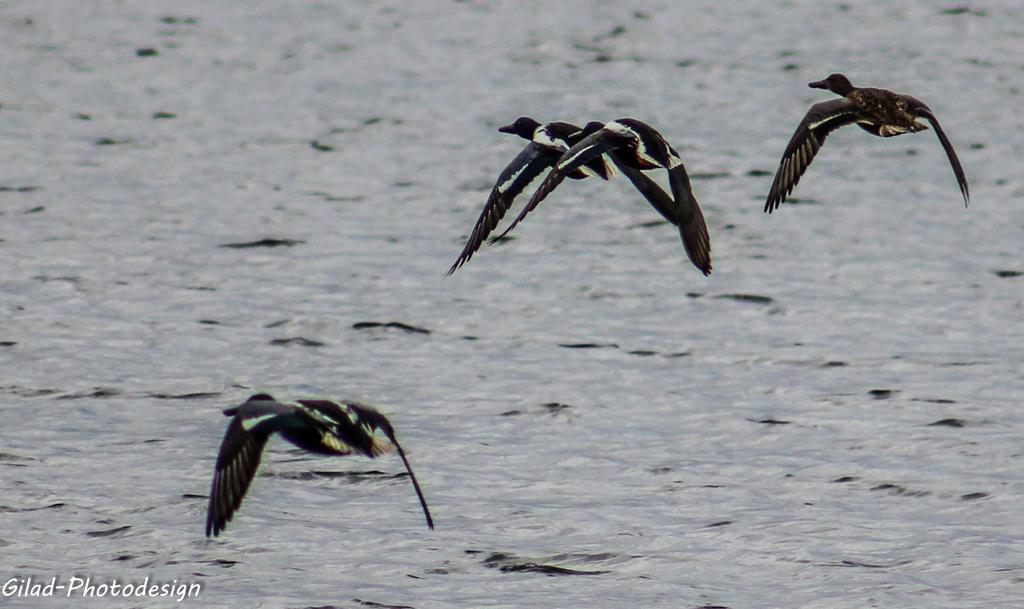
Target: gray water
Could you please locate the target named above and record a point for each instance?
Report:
(832, 419)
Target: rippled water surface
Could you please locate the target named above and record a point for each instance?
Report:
(832, 419)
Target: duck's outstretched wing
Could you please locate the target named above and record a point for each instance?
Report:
(682, 211)
(525, 168)
(820, 120)
(651, 190)
(587, 150)
(239, 456)
(692, 227)
(958, 170)
(370, 419)
(599, 167)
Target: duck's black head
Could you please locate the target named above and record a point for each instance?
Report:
(836, 83)
(523, 127)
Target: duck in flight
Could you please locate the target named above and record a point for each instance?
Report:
(318, 426)
(547, 143)
(877, 111)
(635, 146)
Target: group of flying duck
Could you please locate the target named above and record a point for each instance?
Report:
(565, 151)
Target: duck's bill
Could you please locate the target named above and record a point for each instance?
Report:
(508, 129)
(818, 84)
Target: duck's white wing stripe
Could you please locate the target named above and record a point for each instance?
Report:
(568, 159)
(520, 165)
(321, 417)
(618, 128)
(249, 422)
(817, 122)
(540, 136)
(330, 440)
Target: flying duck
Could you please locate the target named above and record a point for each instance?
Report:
(877, 111)
(558, 136)
(318, 426)
(635, 146)
(547, 144)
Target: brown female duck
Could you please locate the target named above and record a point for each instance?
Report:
(877, 111)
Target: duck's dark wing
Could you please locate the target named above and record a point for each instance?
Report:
(601, 168)
(595, 167)
(415, 483)
(682, 211)
(239, 456)
(587, 150)
(655, 195)
(692, 227)
(525, 168)
(958, 170)
(371, 419)
(821, 119)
